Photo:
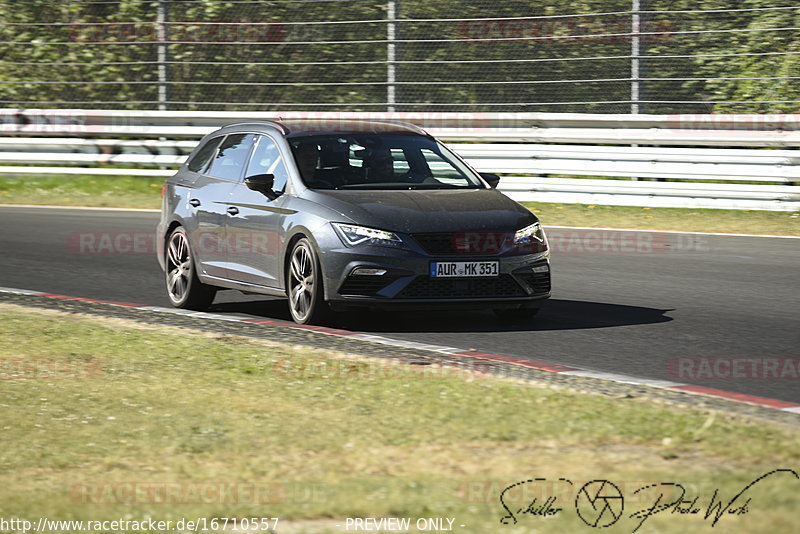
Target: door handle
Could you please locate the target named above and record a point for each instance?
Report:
(194, 202)
(233, 210)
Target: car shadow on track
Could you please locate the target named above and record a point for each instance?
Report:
(557, 314)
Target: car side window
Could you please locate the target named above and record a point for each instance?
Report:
(267, 159)
(399, 161)
(232, 157)
(199, 160)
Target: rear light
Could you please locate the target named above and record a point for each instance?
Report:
(163, 190)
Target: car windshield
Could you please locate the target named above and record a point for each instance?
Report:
(379, 161)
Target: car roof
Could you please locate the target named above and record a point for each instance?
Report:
(293, 128)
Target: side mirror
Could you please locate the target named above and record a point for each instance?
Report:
(491, 179)
(263, 184)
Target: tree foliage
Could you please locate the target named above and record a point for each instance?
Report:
(278, 54)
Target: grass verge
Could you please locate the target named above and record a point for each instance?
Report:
(94, 191)
(104, 419)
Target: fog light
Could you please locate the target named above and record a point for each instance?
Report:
(541, 269)
(368, 271)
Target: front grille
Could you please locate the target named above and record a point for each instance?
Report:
(539, 283)
(438, 243)
(424, 287)
(473, 243)
(365, 285)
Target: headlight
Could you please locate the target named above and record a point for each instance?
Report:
(352, 235)
(531, 239)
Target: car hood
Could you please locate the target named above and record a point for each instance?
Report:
(416, 211)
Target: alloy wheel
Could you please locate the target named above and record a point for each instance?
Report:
(302, 282)
(184, 289)
(179, 267)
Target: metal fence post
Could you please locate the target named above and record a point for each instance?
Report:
(636, 28)
(391, 33)
(161, 16)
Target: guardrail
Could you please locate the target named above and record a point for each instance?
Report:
(542, 156)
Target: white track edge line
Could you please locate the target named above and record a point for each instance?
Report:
(625, 379)
(613, 377)
(405, 344)
(16, 291)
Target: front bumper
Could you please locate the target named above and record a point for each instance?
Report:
(407, 284)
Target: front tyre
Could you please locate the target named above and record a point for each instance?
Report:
(184, 289)
(304, 285)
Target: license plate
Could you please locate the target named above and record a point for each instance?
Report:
(464, 269)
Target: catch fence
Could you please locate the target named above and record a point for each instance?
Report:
(610, 56)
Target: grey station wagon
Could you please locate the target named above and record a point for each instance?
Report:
(340, 215)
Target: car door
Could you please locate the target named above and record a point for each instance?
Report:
(205, 218)
(254, 221)
(214, 188)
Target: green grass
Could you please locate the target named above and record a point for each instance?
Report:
(95, 191)
(193, 410)
(690, 220)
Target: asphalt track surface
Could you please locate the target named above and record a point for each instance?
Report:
(661, 306)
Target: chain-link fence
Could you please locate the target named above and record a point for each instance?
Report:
(586, 56)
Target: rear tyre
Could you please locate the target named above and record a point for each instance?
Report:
(184, 289)
(516, 314)
(304, 286)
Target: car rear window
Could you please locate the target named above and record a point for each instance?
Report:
(232, 156)
(198, 162)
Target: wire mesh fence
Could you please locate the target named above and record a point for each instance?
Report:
(587, 56)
